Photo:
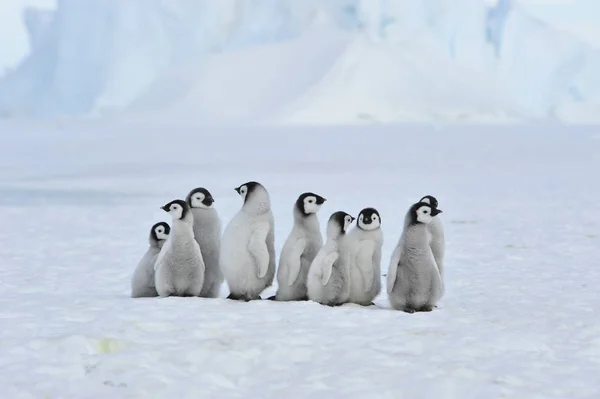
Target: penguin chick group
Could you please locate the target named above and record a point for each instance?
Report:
(182, 260)
(192, 257)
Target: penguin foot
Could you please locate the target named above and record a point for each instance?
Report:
(425, 308)
(367, 304)
(409, 310)
(272, 298)
(234, 297)
(304, 298)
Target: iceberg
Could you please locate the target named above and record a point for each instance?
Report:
(340, 61)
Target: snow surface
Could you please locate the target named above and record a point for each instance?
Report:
(404, 61)
(520, 317)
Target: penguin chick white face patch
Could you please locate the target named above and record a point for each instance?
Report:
(371, 223)
(160, 232)
(424, 214)
(347, 222)
(176, 211)
(197, 201)
(243, 191)
(311, 205)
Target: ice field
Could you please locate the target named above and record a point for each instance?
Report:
(520, 317)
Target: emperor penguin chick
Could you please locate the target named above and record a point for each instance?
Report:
(436, 229)
(248, 245)
(142, 281)
(328, 281)
(363, 247)
(207, 232)
(413, 280)
(300, 248)
(179, 266)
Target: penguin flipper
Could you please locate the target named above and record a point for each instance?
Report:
(393, 269)
(364, 261)
(328, 266)
(294, 262)
(259, 250)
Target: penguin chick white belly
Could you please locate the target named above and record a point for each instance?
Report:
(179, 268)
(238, 263)
(362, 246)
(365, 271)
(142, 281)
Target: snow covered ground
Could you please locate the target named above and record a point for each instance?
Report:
(520, 319)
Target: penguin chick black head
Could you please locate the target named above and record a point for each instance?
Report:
(200, 198)
(369, 219)
(247, 189)
(159, 232)
(308, 203)
(431, 200)
(178, 209)
(423, 212)
(339, 222)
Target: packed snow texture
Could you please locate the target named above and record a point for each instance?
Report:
(289, 61)
(520, 317)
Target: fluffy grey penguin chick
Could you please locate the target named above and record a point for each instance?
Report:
(248, 245)
(179, 266)
(207, 232)
(413, 280)
(436, 228)
(363, 247)
(328, 279)
(438, 242)
(142, 281)
(299, 249)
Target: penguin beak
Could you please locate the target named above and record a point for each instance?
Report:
(208, 201)
(237, 189)
(435, 212)
(321, 201)
(353, 218)
(164, 208)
